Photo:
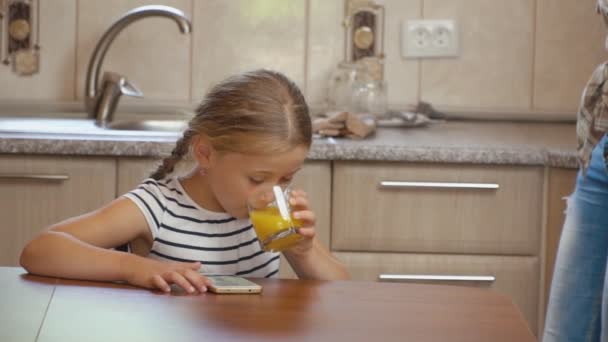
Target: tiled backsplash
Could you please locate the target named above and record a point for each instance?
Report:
(516, 55)
(151, 52)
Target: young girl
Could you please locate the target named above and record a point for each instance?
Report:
(252, 131)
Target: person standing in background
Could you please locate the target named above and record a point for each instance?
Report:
(578, 299)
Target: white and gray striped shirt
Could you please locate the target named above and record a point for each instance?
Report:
(184, 231)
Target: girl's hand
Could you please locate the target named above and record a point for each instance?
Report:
(301, 211)
(153, 274)
(308, 258)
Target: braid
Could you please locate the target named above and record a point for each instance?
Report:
(168, 164)
(261, 110)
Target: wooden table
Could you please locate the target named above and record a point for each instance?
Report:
(36, 308)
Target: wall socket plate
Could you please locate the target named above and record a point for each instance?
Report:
(429, 39)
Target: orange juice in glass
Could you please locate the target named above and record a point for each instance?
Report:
(273, 223)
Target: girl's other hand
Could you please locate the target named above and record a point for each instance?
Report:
(301, 211)
(153, 274)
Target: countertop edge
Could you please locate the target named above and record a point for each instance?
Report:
(320, 150)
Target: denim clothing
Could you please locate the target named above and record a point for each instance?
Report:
(578, 303)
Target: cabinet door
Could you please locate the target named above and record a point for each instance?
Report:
(314, 178)
(560, 184)
(515, 276)
(436, 208)
(132, 171)
(37, 191)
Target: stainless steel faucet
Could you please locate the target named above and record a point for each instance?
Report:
(102, 98)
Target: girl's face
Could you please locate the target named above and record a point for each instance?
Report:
(233, 177)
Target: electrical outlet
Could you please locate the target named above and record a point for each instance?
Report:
(429, 38)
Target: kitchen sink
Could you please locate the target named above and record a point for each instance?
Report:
(68, 126)
(149, 125)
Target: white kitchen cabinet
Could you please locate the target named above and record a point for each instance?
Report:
(437, 208)
(442, 219)
(514, 276)
(560, 183)
(37, 191)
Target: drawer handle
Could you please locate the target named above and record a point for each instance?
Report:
(441, 185)
(34, 176)
(446, 278)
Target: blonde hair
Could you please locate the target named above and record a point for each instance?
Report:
(257, 112)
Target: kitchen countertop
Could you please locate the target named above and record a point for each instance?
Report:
(512, 143)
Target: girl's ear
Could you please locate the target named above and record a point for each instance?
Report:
(203, 151)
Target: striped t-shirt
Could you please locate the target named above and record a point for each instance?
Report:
(184, 231)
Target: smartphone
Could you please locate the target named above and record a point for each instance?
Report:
(232, 284)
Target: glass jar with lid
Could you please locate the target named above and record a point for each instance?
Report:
(344, 83)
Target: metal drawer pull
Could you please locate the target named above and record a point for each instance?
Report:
(481, 279)
(34, 176)
(443, 185)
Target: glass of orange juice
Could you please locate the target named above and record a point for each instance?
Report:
(272, 220)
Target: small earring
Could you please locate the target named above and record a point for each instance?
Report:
(202, 172)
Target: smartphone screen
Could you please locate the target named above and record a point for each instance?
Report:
(232, 284)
